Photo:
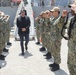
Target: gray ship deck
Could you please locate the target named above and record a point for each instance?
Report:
(33, 62)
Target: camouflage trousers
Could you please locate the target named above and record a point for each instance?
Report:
(72, 57)
(55, 50)
(1, 43)
(43, 40)
(45, 36)
(38, 36)
(48, 42)
(4, 39)
(1, 49)
(8, 36)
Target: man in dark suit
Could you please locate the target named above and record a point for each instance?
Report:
(23, 24)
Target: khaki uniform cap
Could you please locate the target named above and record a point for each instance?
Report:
(55, 9)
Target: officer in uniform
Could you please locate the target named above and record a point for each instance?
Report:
(55, 33)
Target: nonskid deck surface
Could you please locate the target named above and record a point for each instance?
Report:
(33, 62)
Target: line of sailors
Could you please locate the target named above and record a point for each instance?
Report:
(49, 25)
(4, 34)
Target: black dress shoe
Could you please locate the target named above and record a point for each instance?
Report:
(5, 50)
(2, 57)
(48, 57)
(37, 43)
(47, 54)
(8, 43)
(55, 67)
(42, 49)
(52, 65)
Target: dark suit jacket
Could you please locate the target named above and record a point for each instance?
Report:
(23, 23)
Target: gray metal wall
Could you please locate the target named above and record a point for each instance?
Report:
(11, 12)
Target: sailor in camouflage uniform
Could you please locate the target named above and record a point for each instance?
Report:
(38, 29)
(2, 57)
(4, 33)
(47, 31)
(8, 29)
(42, 31)
(5, 28)
(1, 34)
(72, 41)
(55, 33)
